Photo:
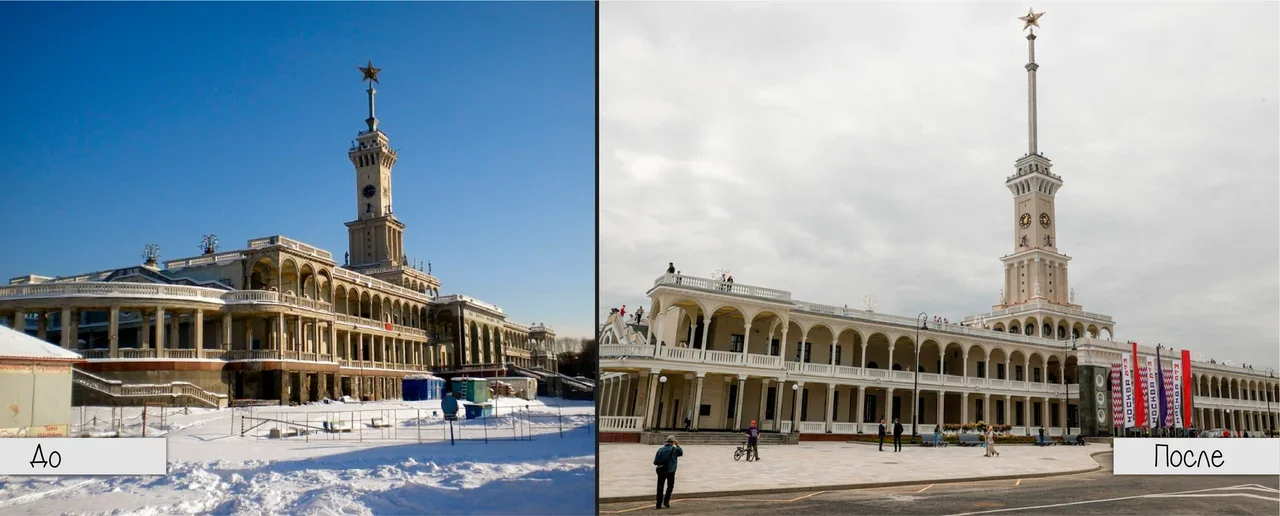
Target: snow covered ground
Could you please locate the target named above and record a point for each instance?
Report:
(539, 459)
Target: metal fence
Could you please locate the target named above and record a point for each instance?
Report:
(408, 424)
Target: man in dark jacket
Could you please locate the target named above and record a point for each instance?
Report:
(753, 442)
(1042, 441)
(882, 435)
(897, 435)
(671, 267)
(664, 463)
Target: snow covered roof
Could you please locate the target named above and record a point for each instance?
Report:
(15, 344)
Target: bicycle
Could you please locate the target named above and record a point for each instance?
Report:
(743, 450)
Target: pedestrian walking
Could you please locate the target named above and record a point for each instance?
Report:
(881, 434)
(688, 419)
(897, 435)
(623, 313)
(664, 463)
(937, 436)
(639, 315)
(1042, 441)
(753, 442)
(990, 436)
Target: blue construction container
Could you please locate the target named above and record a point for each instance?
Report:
(419, 388)
(478, 410)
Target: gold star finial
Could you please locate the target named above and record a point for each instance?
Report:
(1032, 19)
(370, 73)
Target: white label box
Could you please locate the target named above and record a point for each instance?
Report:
(1196, 456)
(84, 456)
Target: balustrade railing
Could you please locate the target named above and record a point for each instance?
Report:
(253, 354)
(844, 428)
(848, 372)
(812, 427)
(723, 287)
(685, 354)
(621, 423)
(95, 353)
(723, 357)
(180, 353)
(786, 427)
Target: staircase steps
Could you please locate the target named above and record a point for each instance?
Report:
(717, 437)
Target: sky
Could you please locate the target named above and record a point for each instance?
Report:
(836, 150)
(141, 123)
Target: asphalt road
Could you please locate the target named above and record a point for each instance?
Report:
(1097, 492)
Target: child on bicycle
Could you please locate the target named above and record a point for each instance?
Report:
(753, 442)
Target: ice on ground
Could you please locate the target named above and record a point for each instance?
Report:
(540, 459)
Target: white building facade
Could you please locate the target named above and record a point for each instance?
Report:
(718, 354)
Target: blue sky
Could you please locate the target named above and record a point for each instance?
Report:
(130, 124)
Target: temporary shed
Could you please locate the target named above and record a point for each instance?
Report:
(35, 386)
(521, 387)
(418, 387)
(475, 390)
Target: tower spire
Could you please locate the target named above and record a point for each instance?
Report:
(371, 75)
(1030, 21)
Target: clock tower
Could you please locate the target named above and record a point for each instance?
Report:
(376, 237)
(1035, 271)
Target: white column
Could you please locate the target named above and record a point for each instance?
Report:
(697, 398)
(831, 390)
(65, 322)
(862, 406)
(737, 411)
(42, 326)
(197, 332)
(746, 345)
(986, 408)
(942, 396)
(964, 407)
(226, 332)
(706, 334)
(649, 404)
(160, 333)
(764, 398)
(777, 405)
(113, 331)
(1008, 407)
(888, 401)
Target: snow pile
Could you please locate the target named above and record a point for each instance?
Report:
(213, 470)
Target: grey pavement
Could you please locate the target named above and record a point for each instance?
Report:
(626, 470)
(1097, 492)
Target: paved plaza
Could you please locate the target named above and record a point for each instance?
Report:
(626, 470)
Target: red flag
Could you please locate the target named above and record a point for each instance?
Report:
(1140, 409)
(1186, 388)
(387, 326)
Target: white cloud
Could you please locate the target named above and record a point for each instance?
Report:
(839, 149)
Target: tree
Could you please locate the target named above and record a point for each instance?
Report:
(584, 361)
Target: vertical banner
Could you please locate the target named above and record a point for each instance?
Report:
(1126, 386)
(1139, 397)
(1117, 397)
(1162, 397)
(1177, 393)
(1153, 400)
(1186, 389)
(1170, 408)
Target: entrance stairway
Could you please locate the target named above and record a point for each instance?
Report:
(88, 389)
(717, 437)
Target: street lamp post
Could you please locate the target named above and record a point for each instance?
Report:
(922, 319)
(662, 386)
(794, 388)
(1271, 426)
(1066, 393)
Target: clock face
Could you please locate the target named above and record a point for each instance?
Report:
(1025, 220)
(369, 191)
(1044, 220)
(1099, 381)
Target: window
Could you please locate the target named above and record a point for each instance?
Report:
(869, 408)
(804, 405)
(978, 412)
(1017, 373)
(770, 400)
(999, 371)
(808, 349)
(835, 406)
(1035, 374)
(735, 343)
(836, 350)
(704, 410)
(773, 348)
(982, 369)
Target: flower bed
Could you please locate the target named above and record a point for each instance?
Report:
(949, 438)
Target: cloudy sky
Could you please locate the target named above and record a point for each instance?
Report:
(840, 149)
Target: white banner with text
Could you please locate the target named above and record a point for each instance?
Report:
(1196, 456)
(84, 456)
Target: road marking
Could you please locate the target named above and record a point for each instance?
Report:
(925, 487)
(1018, 483)
(1154, 495)
(806, 496)
(1222, 495)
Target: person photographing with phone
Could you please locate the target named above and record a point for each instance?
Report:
(664, 463)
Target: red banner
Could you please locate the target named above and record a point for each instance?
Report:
(1140, 409)
(1186, 388)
